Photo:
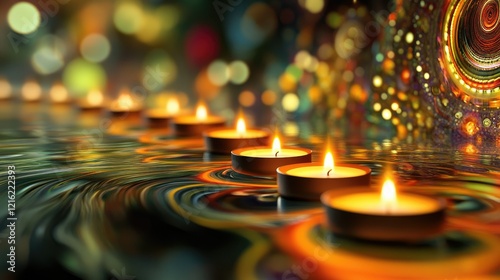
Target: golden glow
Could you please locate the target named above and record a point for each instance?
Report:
(388, 194)
(328, 163)
(95, 98)
(201, 112)
(246, 98)
(377, 81)
(5, 89)
(276, 145)
(95, 47)
(471, 149)
(59, 93)
(241, 127)
(128, 17)
(290, 102)
(125, 101)
(172, 106)
(470, 128)
(31, 91)
(268, 97)
(23, 18)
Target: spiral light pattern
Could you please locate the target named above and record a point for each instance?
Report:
(471, 48)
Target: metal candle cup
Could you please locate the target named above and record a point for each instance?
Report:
(354, 212)
(158, 117)
(263, 161)
(223, 141)
(125, 105)
(192, 126)
(307, 181)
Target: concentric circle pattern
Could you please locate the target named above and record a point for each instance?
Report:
(438, 72)
(471, 48)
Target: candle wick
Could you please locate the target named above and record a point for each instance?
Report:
(276, 155)
(328, 173)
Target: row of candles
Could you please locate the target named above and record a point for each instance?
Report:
(353, 208)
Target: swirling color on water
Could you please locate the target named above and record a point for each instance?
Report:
(133, 203)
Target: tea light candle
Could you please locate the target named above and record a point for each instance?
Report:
(124, 104)
(59, 94)
(263, 160)
(195, 125)
(31, 91)
(94, 100)
(223, 141)
(307, 181)
(368, 214)
(162, 116)
(5, 89)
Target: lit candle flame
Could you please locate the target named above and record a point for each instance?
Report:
(95, 98)
(5, 89)
(241, 127)
(172, 106)
(388, 195)
(58, 93)
(31, 91)
(125, 101)
(276, 146)
(328, 164)
(201, 112)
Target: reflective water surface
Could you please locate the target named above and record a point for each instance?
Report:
(102, 198)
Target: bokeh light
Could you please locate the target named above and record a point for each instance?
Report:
(170, 16)
(95, 47)
(290, 102)
(202, 36)
(313, 6)
(377, 81)
(259, 22)
(204, 87)
(386, 114)
(246, 98)
(128, 17)
(23, 18)
(31, 91)
(238, 72)
(95, 97)
(218, 72)
(291, 129)
(150, 28)
(48, 56)
(5, 89)
(81, 76)
(58, 93)
(268, 97)
(159, 70)
(315, 94)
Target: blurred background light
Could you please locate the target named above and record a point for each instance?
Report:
(313, 6)
(81, 76)
(268, 97)
(58, 93)
(159, 70)
(202, 36)
(290, 102)
(23, 18)
(128, 17)
(5, 89)
(48, 56)
(246, 98)
(31, 91)
(204, 87)
(238, 72)
(95, 47)
(218, 72)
